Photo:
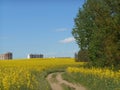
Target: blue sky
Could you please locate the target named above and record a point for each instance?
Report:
(38, 26)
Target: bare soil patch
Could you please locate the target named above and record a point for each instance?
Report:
(57, 81)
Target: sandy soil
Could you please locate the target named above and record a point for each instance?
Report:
(57, 81)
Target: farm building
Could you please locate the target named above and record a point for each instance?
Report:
(35, 56)
(6, 56)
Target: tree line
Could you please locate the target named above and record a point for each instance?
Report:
(97, 32)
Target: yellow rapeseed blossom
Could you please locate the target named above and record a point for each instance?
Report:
(18, 74)
(102, 73)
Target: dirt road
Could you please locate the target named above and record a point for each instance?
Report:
(55, 80)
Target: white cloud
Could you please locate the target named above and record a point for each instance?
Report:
(61, 29)
(68, 40)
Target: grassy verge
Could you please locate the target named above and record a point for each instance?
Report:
(41, 77)
(92, 82)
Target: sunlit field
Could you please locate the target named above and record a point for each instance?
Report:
(29, 74)
(94, 78)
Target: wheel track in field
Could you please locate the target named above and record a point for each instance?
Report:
(55, 80)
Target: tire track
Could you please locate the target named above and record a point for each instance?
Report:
(56, 82)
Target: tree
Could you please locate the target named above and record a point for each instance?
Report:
(82, 56)
(97, 30)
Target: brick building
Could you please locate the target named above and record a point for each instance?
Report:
(6, 56)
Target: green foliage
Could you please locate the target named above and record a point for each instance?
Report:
(82, 56)
(97, 30)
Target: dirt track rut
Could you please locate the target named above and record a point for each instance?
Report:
(57, 81)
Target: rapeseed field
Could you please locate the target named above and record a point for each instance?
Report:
(95, 78)
(29, 74)
(102, 73)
